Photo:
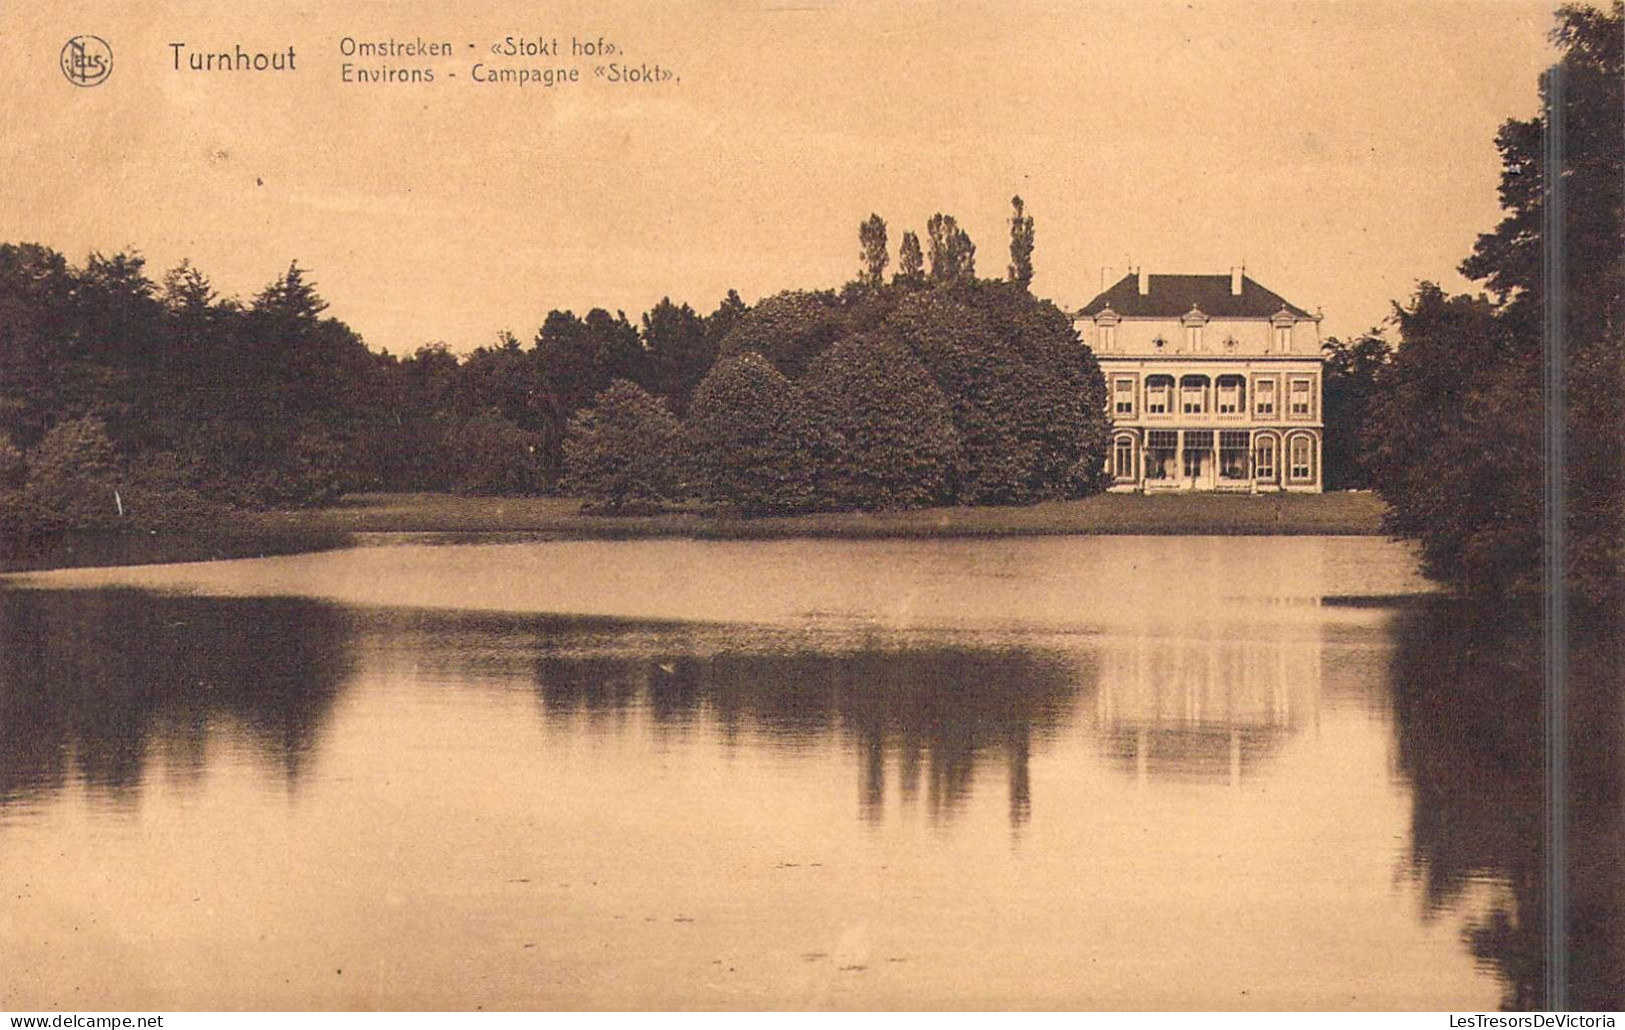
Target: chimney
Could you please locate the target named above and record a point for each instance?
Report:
(1145, 281)
(1235, 281)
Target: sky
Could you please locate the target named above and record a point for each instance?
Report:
(1341, 151)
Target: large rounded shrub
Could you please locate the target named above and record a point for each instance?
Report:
(892, 428)
(755, 443)
(1027, 397)
(624, 451)
(789, 329)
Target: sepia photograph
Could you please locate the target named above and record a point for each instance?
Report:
(812, 505)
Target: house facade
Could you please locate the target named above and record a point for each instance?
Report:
(1212, 383)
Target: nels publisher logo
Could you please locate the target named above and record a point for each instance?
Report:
(87, 60)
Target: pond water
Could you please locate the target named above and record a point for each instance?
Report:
(1091, 772)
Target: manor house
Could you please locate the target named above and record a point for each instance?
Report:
(1212, 383)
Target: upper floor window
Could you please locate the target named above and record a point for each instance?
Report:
(1264, 398)
(1193, 395)
(1123, 396)
(1158, 391)
(1301, 404)
(1231, 391)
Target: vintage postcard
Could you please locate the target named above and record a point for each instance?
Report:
(786, 504)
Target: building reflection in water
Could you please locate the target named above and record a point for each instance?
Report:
(1209, 703)
(1469, 710)
(95, 684)
(101, 687)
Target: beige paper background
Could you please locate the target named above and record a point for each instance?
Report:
(1342, 150)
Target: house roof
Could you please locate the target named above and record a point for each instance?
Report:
(1171, 296)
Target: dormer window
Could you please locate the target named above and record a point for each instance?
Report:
(1106, 323)
(1283, 322)
(1193, 321)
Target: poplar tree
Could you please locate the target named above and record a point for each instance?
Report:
(874, 254)
(1021, 244)
(910, 260)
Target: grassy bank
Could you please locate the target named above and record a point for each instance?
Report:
(255, 539)
(1340, 514)
(285, 532)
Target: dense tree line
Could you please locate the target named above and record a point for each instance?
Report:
(129, 402)
(1351, 377)
(1460, 435)
(935, 388)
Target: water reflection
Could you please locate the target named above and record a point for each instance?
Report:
(921, 712)
(1208, 701)
(95, 684)
(1468, 689)
(1213, 791)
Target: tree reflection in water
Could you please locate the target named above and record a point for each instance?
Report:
(95, 683)
(936, 711)
(1468, 702)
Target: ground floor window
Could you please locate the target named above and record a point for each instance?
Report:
(1233, 455)
(1264, 459)
(1302, 468)
(1123, 459)
(1198, 452)
(1161, 450)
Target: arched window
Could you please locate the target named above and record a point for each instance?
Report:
(1123, 459)
(1301, 458)
(1264, 458)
